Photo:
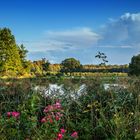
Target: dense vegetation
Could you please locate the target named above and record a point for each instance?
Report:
(12, 56)
(91, 114)
(134, 66)
(70, 65)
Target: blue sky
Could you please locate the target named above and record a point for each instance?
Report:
(58, 29)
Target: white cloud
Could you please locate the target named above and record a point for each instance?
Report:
(133, 17)
(46, 45)
(124, 31)
(115, 46)
(58, 45)
(78, 37)
(64, 40)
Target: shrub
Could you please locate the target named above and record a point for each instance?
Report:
(134, 66)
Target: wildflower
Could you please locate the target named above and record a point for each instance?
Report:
(51, 121)
(48, 108)
(43, 120)
(57, 105)
(15, 114)
(49, 117)
(131, 113)
(57, 118)
(62, 131)
(59, 114)
(52, 114)
(74, 134)
(59, 136)
(8, 114)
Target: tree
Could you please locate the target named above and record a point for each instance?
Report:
(45, 65)
(134, 65)
(26, 64)
(102, 57)
(40, 67)
(9, 54)
(54, 67)
(70, 65)
(22, 52)
(37, 67)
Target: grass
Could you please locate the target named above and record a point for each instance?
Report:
(96, 114)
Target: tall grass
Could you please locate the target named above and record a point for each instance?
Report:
(94, 113)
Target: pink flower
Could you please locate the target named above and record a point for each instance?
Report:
(51, 121)
(74, 134)
(48, 108)
(59, 136)
(8, 114)
(57, 105)
(49, 117)
(43, 120)
(59, 114)
(62, 131)
(57, 118)
(15, 114)
(52, 114)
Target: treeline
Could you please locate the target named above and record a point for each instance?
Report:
(13, 62)
(74, 68)
(105, 68)
(93, 68)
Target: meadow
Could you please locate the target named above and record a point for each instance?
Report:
(29, 112)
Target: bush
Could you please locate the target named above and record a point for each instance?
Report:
(134, 66)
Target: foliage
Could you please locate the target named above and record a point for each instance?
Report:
(35, 118)
(85, 114)
(54, 67)
(70, 65)
(10, 60)
(108, 68)
(96, 74)
(102, 57)
(22, 52)
(45, 65)
(134, 66)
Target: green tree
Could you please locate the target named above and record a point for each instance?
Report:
(70, 65)
(22, 52)
(134, 65)
(9, 54)
(37, 67)
(45, 65)
(26, 64)
(40, 67)
(54, 67)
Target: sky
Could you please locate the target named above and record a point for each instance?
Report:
(60, 29)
